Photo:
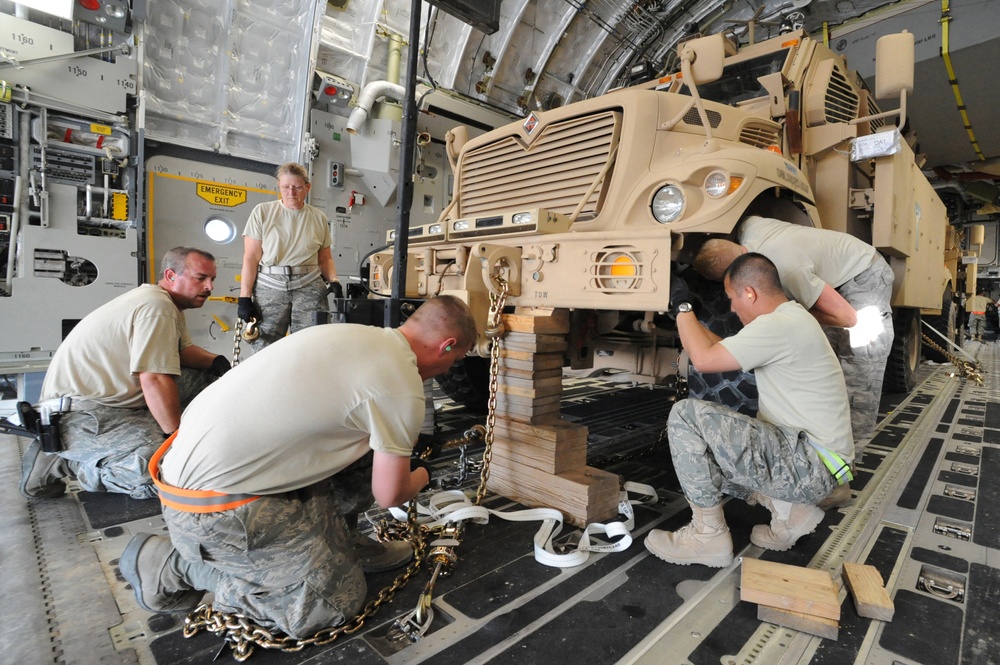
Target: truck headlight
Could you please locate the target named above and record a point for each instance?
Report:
(668, 203)
(719, 184)
(716, 184)
(521, 218)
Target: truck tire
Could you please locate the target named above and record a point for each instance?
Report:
(946, 324)
(737, 389)
(904, 358)
(468, 383)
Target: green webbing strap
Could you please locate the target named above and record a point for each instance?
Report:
(840, 469)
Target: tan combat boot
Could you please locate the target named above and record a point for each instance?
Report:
(155, 570)
(42, 474)
(789, 522)
(838, 498)
(706, 540)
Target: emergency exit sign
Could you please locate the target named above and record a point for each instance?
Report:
(222, 195)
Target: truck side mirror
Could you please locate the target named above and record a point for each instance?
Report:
(893, 74)
(894, 65)
(705, 55)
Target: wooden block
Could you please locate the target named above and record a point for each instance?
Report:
(583, 495)
(870, 597)
(559, 449)
(507, 373)
(519, 453)
(535, 414)
(556, 381)
(537, 320)
(806, 623)
(534, 343)
(530, 362)
(785, 587)
(550, 437)
(524, 391)
(517, 401)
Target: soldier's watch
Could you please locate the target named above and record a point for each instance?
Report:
(684, 307)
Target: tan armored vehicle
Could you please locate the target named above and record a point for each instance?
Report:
(586, 206)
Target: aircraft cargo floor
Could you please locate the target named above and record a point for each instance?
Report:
(926, 507)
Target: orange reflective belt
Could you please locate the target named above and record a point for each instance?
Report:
(192, 501)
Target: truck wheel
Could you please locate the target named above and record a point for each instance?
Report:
(737, 390)
(944, 323)
(904, 358)
(468, 383)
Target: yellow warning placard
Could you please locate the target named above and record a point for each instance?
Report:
(222, 195)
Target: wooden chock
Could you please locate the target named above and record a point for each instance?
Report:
(539, 459)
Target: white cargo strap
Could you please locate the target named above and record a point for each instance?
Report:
(454, 506)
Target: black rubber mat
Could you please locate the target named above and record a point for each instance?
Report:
(956, 478)
(992, 415)
(982, 622)
(107, 509)
(961, 458)
(940, 559)
(949, 413)
(910, 497)
(924, 629)
(951, 507)
(986, 532)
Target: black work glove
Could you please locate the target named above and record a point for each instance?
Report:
(679, 292)
(426, 442)
(220, 366)
(335, 289)
(247, 310)
(417, 463)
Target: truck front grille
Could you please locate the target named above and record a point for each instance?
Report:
(555, 172)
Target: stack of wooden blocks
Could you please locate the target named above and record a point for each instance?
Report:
(807, 600)
(539, 459)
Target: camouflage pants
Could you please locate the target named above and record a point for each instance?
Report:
(109, 448)
(285, 560)
(719, 451)
(864, 367)
(285, 311)
(977, 325)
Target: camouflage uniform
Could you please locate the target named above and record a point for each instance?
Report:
(864, 367)
(977, 306)
(287, 310)
(109, 447)
(286, 560)
(808, 257)
(717, 451)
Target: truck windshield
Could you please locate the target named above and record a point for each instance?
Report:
(739, 80)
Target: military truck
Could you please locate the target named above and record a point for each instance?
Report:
(589, 206)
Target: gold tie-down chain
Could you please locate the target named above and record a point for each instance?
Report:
(969, 370)
(495, 332)
(243, 635)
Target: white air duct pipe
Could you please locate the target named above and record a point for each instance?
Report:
(371, 94)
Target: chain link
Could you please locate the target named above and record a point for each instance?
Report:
(243, 635)
(495, 331)
(969, 370)
(236, 341)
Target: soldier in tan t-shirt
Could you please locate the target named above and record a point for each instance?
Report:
(286, 252)
(117, 385)
(976, 306)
